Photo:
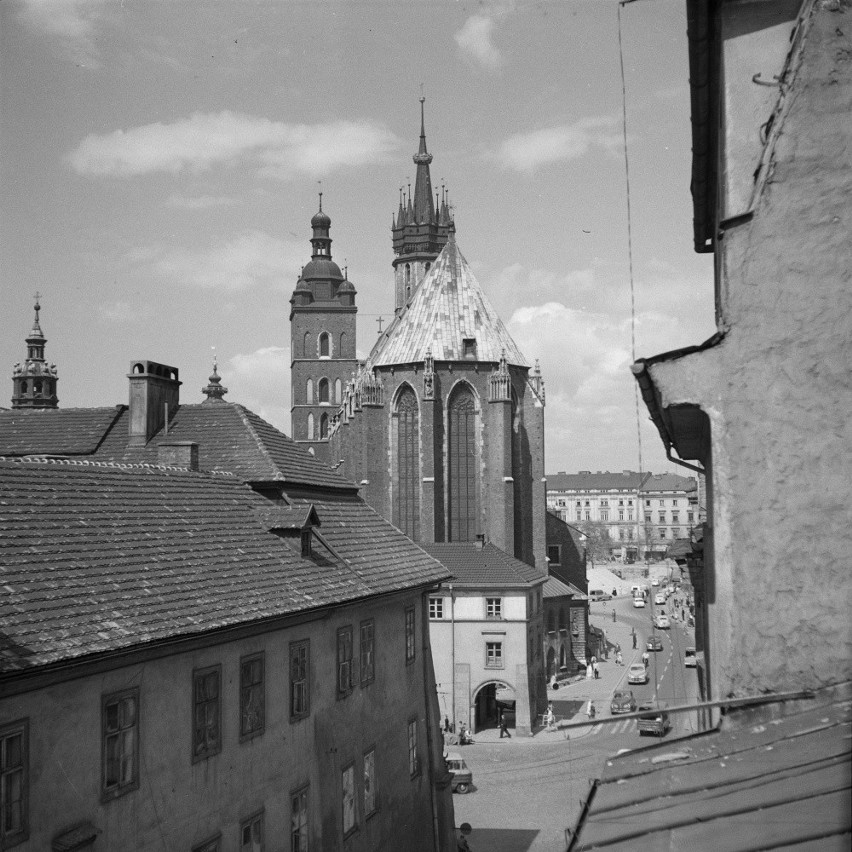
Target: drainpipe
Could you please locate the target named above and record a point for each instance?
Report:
(453, 650)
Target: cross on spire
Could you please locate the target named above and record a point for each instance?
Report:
(380, 320)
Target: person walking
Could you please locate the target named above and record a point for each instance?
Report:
(503, 728)
(596, 670)
(614, 617)
(589, 671)
(549, 718)
(590, 710)
(634, 638)
(645, 659)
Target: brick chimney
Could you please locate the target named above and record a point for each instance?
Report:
(154, 397)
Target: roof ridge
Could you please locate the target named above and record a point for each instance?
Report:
(44, 460)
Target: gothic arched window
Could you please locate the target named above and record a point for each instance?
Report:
(309, 391)
(307, 349)
(322, 391)
(407, 503)
(310, 427)
(324, 345)
(461, 439)
(338, 391)
(323, 427)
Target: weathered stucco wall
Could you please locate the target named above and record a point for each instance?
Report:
(778, 392)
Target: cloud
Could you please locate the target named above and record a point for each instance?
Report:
(249, 260)
(203, 140)
(68, 20)
(526, 152)
(249, 377)
(121, 312)
(474, 40)
(199, 202)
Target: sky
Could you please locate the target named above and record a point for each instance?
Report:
(161, 163)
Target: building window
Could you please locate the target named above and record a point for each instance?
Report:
(344, 661)
(462, 465)
(14, 783)
(579, 515)
(305, 539)
(630, 535)
(410, 645)
(674, 502)
(300, 703)
(369, 782)
(553, 554)
(348, 779)
(413, 762)
(299, 821)
(120, 721)
(493, 607)
(689, 517)
(252, 696)
(675, 532)
(469, 347)
(407, 504)
(578, 504)
(662, 532)
(604, 514)
(647, 502)
(324, 427)
(322, 391)
(366, 648)
(630, 516)
(436, 608)
(324, 345)
(338, 392)
(309, 391)
(647, 517)
(494, 655)
(662, 518)
(310, 427)
(588, 516)
(207, 737)
(251, 834)
(662, 502)
(620, 515)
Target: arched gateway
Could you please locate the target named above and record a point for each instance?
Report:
(489, 700)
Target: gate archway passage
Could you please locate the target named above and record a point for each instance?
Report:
(491, 698)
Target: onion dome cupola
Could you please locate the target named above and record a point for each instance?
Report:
(34, 381)
(214, 391)
(420, 228)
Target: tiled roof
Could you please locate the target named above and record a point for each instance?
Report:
(52, 431)
(625, 481)
(96, 558)
(555, 588)
(447, 307)
(764, 782)
(230, 437)
(472, 565)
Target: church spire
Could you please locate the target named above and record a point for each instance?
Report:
(34, 381)
(424, 205)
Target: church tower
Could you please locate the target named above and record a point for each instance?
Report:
(322, 341)
(420, 227)
(34, 381)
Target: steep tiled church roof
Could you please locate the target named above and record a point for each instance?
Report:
(97, 558)
(64, 431)
(448, 307)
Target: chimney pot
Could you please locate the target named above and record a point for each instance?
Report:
(154, 397)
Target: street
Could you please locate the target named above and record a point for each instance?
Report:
(528, 791)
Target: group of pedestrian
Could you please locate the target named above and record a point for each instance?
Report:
(592, 670)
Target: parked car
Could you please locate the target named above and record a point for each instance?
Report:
(660, 598)
(622, 702)
(689, 658)
(462, 777)
(662, 621)
(599, 595)
(639, 603)
(655, 581)
(654, 643)
(637, 673)
(655, 721)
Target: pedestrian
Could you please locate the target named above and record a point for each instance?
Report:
(503, 729)
(619, 660)
(549, 718)
(634, 640)
(682, 614)
(446, 724)
(614, 616)
(590, 710)
(645, 659)
(617, 647)
(461, 844)
(596, 670)
(589, 672)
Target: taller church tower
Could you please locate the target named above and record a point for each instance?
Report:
(34, 381)
(322, 341)
(420, 228)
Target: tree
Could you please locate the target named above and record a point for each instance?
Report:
(598, 542)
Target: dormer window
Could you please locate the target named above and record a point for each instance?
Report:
(469, 347)
(306, 543)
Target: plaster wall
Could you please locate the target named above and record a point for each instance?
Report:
(180, 803)
(778, 392)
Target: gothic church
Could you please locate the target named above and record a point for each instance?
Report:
(443, 428)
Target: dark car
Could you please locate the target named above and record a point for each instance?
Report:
(654, 720)
(654, 644)
(622, 702)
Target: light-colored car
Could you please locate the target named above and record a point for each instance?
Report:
(462, 776)
(660, 599)
(655, 721)
(689, 658)
(654, 643)
(661, 622)
(637, 673)
(655, 581)
(639, 603)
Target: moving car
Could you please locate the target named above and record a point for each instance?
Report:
(655, 721)
(689, 658)
(462, 777)
(639, 603)
(660, 598)
(655, 581)
(622, 702)
(637, 673)
(654, 643)
(662, 621)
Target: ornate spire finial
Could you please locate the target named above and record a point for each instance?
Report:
(214, 391)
